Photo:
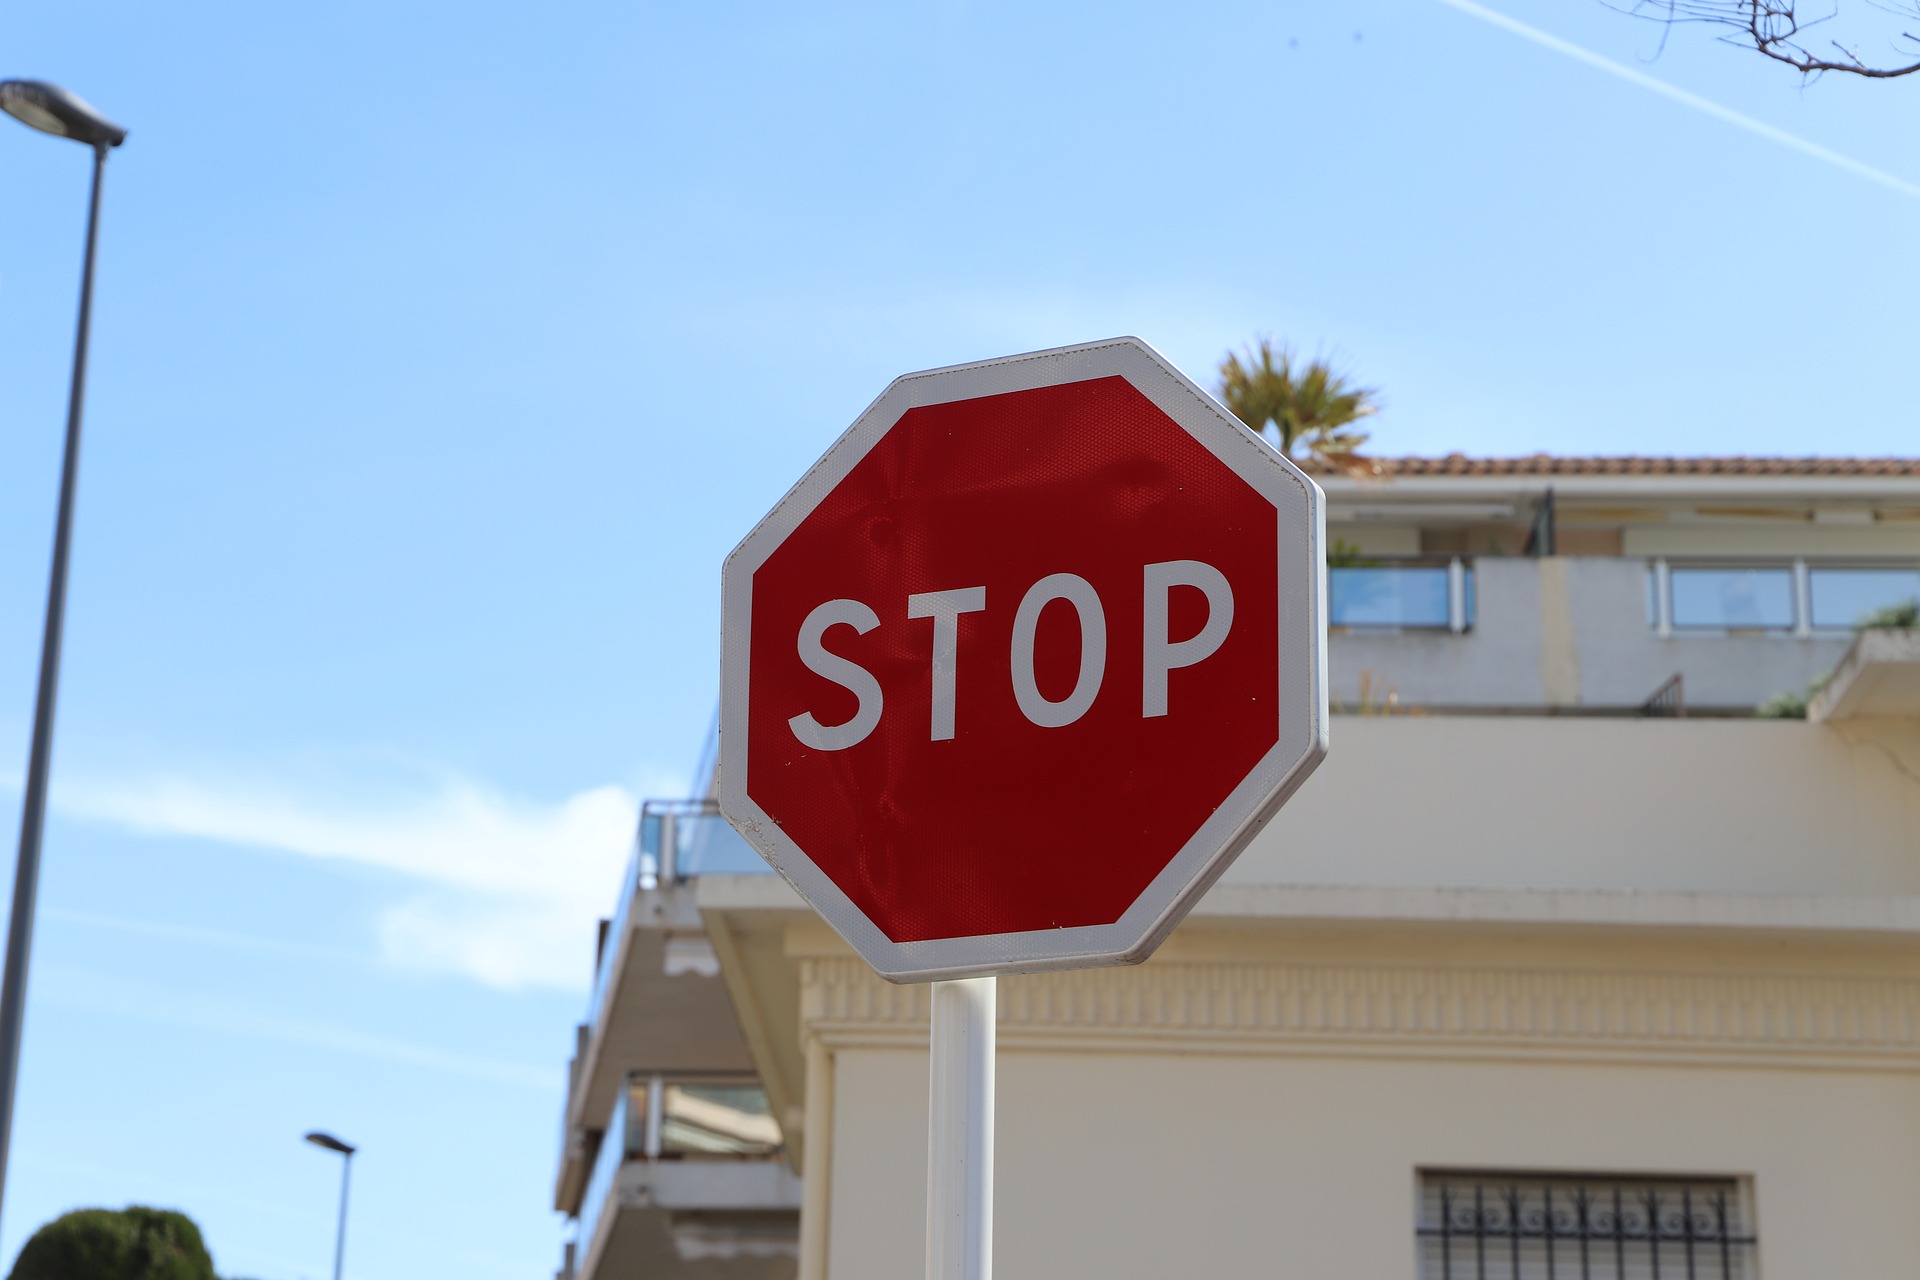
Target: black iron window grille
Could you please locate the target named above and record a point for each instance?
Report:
(1499, 1226)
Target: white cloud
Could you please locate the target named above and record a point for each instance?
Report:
(504, 944)
(506, 891)
(79, 988)
(189, 933)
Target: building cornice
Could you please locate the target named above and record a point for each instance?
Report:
(1796, 913)
(1478, 1012)
(1343, 491)
(1793, 913)
(1634, 465)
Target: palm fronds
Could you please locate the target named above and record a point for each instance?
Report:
(1308, 404)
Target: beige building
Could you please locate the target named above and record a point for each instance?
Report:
(1562, 965)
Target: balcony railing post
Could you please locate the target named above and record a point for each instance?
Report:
(647, 861)
(656, 1116)
(1802, 599)
(1662, 599)
(669, 857)
(1456, 596)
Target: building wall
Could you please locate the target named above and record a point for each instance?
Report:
(1372, 538)
(1156, 1122)
(1259, 1099)
(1529, 943)
(1792, 537)
(1681, 806)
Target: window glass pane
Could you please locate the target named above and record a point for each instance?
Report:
(697, 1118)
(1841, 597)
(1733, 599)
(1388, 596)
(718, 1119)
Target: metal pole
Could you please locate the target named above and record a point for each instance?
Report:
(960, 1130)
(340, 1239)
(26, 880)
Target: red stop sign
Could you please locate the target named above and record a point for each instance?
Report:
(1023, 662)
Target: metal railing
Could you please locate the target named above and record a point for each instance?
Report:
(1535, 1226)
(1669, 700)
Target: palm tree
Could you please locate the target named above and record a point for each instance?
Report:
(1308, 404)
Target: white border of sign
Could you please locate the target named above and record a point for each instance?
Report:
(1302, 658)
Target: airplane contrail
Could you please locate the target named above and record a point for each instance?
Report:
(1703, 105)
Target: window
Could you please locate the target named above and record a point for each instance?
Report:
(1795, 597)
(1403, 597)
(1733, 598)
(1843, 596)
(1535, 1226)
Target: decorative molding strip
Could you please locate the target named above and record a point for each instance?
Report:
(1633, 908)
(1480, 1012)
(1656, 909)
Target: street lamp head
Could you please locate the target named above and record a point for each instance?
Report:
(331, 1143)
(51, 109)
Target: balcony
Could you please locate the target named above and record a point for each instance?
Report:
(691, 1168)
(1878, 679)
(1593, 634)
(656, 1002)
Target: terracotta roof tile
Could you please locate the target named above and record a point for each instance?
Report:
(1543, 464)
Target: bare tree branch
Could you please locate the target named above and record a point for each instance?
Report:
(1775, 29)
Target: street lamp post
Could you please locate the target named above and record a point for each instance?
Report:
(53, 110)
(346, 1151)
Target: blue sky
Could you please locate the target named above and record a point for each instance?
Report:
(442, 351)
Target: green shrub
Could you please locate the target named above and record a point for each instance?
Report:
(1893, 616)
(134, 1243)
(1783, 706)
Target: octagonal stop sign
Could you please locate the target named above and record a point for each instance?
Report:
(1023, 662)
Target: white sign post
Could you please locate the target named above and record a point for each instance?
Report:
(960, 1130)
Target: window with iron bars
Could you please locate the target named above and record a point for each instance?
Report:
(1535, 1226)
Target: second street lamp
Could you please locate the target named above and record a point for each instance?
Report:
(345, 1150)
(53, 110)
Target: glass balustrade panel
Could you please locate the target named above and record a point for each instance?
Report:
(616, 927)
(1389, 596)
(615, 1149)
(705, 844)
(717, 1119)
